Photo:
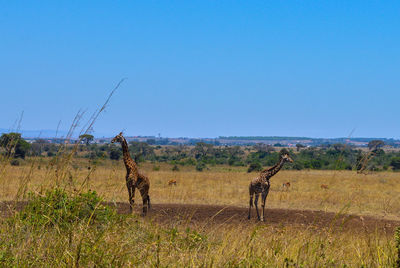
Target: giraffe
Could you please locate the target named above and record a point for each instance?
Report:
(261, 184)
(134, 179)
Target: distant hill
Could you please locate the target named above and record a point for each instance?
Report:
(221, 140)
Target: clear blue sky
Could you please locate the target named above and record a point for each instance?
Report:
(204, 68)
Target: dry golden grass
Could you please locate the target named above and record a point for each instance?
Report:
(376, 194)
(133, 241)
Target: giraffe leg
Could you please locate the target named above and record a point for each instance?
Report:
(144, 206)
(133, 195)
(250, 205)
(131, 192)
(145, 199)
(264, 197)
(256, 205)
(262, 205)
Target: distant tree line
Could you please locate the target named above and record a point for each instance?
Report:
(328, 157)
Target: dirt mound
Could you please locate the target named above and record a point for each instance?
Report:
(212, 214)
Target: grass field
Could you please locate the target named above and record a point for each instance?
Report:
(136, 241)
(376, 194)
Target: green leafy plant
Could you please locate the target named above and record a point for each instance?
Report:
(57, 208)
(255, 166)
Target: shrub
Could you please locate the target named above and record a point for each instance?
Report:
(14, 162)
(115, 154)
(395, 163)
(298, 166)
(200, 166)
(57, 208)
(256, 166)
(190, 162)
(175, 168)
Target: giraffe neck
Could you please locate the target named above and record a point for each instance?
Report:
(268, 173)
(128, 161)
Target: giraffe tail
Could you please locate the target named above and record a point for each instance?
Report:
(148, 201)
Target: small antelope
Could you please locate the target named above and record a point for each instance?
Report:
(172, 182)
(286, 185)
(324, 186)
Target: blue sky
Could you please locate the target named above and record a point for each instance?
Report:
(204, 68)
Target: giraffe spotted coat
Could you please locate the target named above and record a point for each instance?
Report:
(134, 178)
(260, 185)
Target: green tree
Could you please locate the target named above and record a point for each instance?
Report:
(200, 166)
(86, 138)
(395, 163)
(375, 144)
(115, 154)
(141, 151)
(37, 147)
(14, 145)
(202, 149)
(255, 166)
(299, 146)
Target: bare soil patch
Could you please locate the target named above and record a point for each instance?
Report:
(215, 214)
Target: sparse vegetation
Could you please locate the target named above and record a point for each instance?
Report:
(66, 226)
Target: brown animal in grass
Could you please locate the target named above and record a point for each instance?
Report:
(324, 186)
(134, 179)
(286, 185)
(172, 182)
(261, 184)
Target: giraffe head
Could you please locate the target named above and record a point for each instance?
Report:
(118, 138)
(286, 157)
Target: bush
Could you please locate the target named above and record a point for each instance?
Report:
(254, 167)
(57, 208)
(115, 154)
(395, 163)
(298, 166)
(14, 162)
(190, 162)
(175, 168)
(200, 166)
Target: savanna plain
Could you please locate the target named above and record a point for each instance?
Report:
(88, 226)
